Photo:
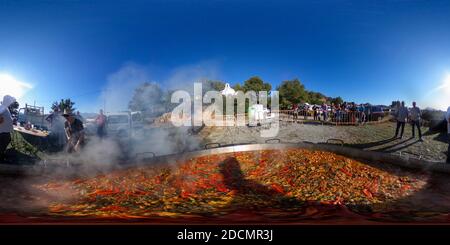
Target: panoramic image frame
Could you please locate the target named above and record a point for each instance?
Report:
(224, 121)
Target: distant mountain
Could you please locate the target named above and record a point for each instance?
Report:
(87, 115)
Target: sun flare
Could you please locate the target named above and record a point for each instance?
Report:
(11, 86)
(446, 85)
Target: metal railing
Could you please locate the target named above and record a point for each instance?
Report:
(305, 116)
(335, 117)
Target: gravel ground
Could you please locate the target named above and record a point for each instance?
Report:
(376, 137)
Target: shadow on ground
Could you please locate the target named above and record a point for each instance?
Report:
(15, 157)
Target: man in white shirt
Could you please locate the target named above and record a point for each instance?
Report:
(415, 115)
(6, 125)
(448, 133)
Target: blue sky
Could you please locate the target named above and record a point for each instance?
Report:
(364, 51)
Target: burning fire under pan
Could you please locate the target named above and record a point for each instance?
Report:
(253, 183)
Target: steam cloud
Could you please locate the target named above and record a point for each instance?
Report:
(103, 154)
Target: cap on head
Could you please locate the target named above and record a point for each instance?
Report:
(67, 113)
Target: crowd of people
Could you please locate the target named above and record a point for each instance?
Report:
(353, 113)
(347, 112)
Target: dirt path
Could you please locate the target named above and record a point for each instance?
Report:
(377, 137)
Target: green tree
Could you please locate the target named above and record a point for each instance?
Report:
(292, 92)
(213, 85)
(337, 100)
(150, 99)
(238, 87)
(256, 84)
(64, 104)
(316, 98)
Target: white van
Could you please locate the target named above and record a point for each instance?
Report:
(123, 124)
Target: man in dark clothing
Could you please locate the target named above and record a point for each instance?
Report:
(448, 133)
(325, 111)
(5, 139)
(315, 113)
(401, 117)
(415, 116)
(352, 113)
(101, 124)
(74, 132)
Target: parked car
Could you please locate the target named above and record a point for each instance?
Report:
(375, 113)
(123, 124)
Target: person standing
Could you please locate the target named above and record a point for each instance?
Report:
(315, 113)
(79, 117)
(74, 131)
(6, 125)
(415, 115)
(448, 134)
(325, 111)
(362, 114)
(306, 109)
(100, 121)
(401, 117)
(338, 113)
(332, 112)
(295, 111)
(397, 107)
(352, 113)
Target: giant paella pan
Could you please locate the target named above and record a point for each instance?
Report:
(250, 183)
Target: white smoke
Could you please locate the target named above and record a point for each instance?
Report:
(184, 77)
(160, 140)
(121, 85)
